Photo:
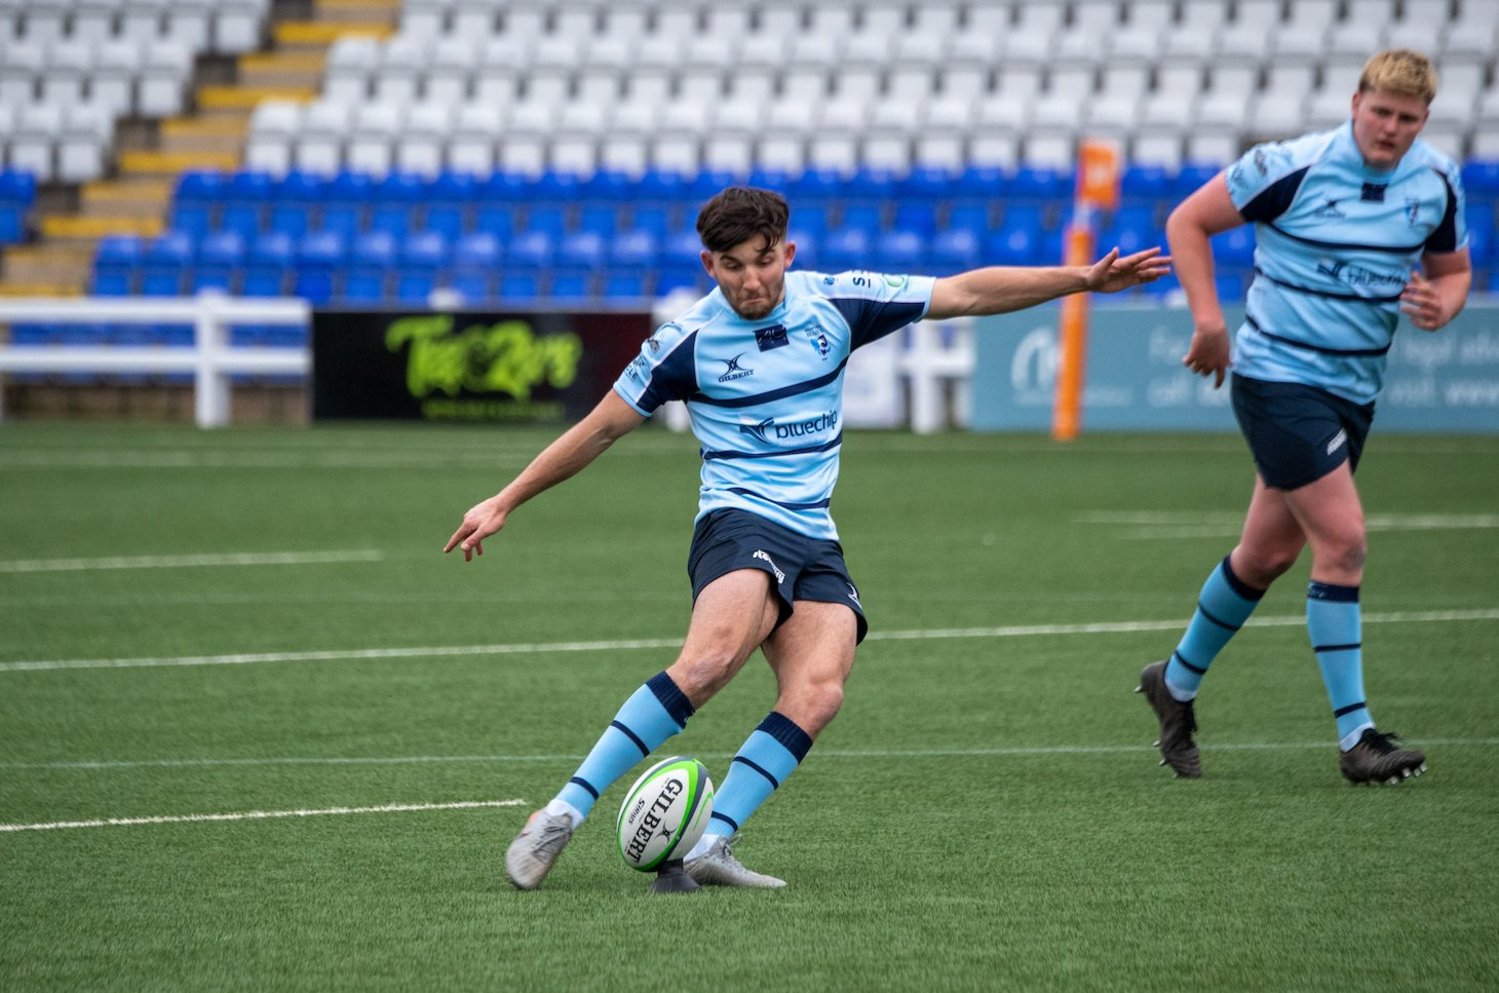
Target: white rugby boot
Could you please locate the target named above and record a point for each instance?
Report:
(534, 851)
(718, 867)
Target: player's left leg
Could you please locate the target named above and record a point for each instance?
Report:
(1332, 517)
(811, 655)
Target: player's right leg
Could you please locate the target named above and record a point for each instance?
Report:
(730, 618)
(1268, 546)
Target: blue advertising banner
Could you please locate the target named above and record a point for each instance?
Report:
(1447, 382)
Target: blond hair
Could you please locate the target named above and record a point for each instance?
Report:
(1402, 71)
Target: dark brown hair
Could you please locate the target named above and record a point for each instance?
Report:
(738, 214)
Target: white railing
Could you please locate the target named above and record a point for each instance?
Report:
(210, 359)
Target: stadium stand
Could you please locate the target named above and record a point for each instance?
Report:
(521, 149)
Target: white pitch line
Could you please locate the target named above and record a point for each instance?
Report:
(898, 753)
(656, 644)
(189, 561)
(257, 815)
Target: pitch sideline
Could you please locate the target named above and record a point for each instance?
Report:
(536, 648)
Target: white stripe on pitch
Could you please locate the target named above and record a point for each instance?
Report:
(258, 815)
(537, 648)
(838, 753)
(189, 561)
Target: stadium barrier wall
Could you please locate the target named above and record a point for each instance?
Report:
(1442, 383)
(211, 359)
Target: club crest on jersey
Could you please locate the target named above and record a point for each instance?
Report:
(1412, 211)
(819, 341)
(734, 370)
(771, 337)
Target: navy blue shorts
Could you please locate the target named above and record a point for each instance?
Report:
(801, 568)
(1296, 433)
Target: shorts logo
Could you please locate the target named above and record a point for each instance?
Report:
(1337, 442)
(853, 594)
(734, 370)
(764, 556)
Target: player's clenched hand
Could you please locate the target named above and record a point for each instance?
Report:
(1208, 353)
(1421, 302)
(481, 521)
(1111, 273)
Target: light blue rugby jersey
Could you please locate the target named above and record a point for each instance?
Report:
(1336, 243)
(766, 395)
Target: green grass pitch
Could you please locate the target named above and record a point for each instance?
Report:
(985, 814)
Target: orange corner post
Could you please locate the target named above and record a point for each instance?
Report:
(1097, 189)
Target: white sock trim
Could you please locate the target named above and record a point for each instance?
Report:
(1350, 739)
(560, 806)
(705, 842)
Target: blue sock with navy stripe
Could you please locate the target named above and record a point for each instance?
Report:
(1223, 606)
(654, 713)
(770, 754)
(1336, 629)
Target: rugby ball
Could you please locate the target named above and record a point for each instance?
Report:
(664, 813)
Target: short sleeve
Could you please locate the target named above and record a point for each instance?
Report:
(664, 370)
(874, 305)
(1263, 182)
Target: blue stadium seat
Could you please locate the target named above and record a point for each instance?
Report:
(816, 186)
(1040, 184)
(517, 285)
(582, 249)
(479, 250)
(495, 218)
(1235, 247)
(599, 218)
(116, 263)
(1481, 179)
(555, 188)
(548, 218)
(1144, 185)
(677, 276)
(769, 178)
(196, 201)
(870, 185)
(242, 218)
(955, 250)
(12, 223)
(980, 184)
(971, 216)
(571, 285)
(164, 265)
(530, 250)
(634, 249)
(608, 186)
(447, 219)
(475, 284)
(1021, 245)
(627, 284)
(655, 218)
(373, 250)
(660, 188)
(930, 184)
(1189, 177)
(504, 187)
(319, 256)
(707, 184)
(866, 216)
(844, 249)
(17, 187)
(414, 286)
(899, 251)
(918, 215)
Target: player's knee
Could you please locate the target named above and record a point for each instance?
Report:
(1261, 567)
(704, 674)
(818, 704)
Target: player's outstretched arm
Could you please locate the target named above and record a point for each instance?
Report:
(585, 441)
(1433, 299)
(1001, 289)
(1196, 219)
